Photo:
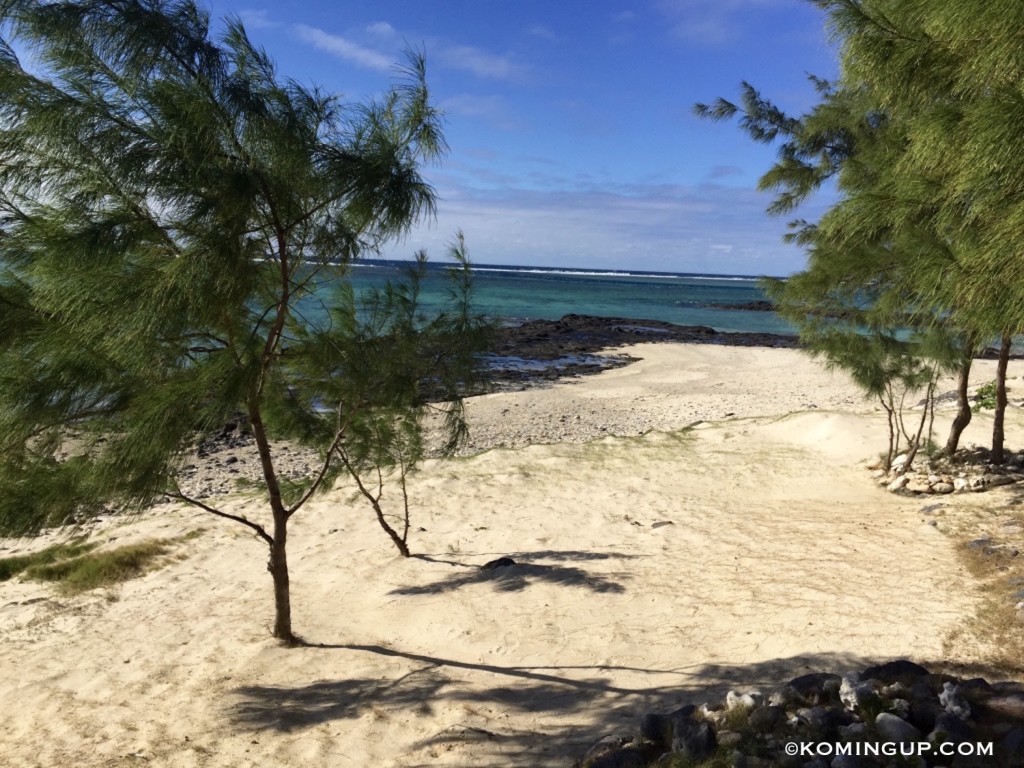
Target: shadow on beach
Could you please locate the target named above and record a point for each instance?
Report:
(587, 696)
(517, 577)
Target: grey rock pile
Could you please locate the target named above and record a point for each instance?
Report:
(939, 719)
(968, 472)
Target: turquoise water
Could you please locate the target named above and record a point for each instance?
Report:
(515, 294)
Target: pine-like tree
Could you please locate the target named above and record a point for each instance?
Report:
(169, 208)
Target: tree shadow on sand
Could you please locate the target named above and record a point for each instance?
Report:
(515, 578)
(504, 707)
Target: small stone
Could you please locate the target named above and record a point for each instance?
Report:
(961, 484)
(854, 694)
(898, 484)
(953, 702)
(943, 488)
(735, 700)
(917, 485)
(892, 728)
(996, 480)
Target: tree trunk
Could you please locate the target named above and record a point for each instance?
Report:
(278, 563)
(278, 567)
(964, 413)
(998, 453)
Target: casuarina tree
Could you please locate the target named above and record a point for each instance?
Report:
(176, 225)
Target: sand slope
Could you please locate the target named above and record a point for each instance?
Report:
(736, 552)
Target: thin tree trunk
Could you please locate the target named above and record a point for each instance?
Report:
(278, 567)
(998, 452)
(278, 563)
(963, 413)
(914, 444)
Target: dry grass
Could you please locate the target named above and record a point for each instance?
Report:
(74, 567)
(12, 566)
(990, 546)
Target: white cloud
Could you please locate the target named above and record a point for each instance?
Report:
(542, 32)
(711, 22)
(490, 109)
(382, 29)
(256, 19)
(476, 61)
(670, 227)
(344, 48)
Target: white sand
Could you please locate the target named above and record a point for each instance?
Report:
(780, 557)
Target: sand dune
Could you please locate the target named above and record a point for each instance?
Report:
(734, 553)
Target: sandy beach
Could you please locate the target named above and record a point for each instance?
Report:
(697, 521)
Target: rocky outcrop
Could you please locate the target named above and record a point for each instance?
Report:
(892, 714)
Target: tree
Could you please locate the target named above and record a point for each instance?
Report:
(951, 70)
(902, 244)
(170, 209)
(857, 303)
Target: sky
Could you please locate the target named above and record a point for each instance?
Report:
(572, 139)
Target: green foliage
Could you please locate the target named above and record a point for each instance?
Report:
(12, 566)
(99, 569)
(985, 397)
(921, 251)
(169, 208)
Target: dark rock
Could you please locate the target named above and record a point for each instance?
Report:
(823, 723)
(892, 728)
(661, 728)
(759, 305)
(501, 562)
(569, 345)
(693, 740)
(766, 719)
(816, 687)
(785, 696)
(924, 713)
(679, 732)
(1013, 745)
(899, 671)
(617, 751)
(976, 689)
(1006, 706)
(950, 728)
(627, 757)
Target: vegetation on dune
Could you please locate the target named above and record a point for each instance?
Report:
(12, 566)
(170, 210)
(75, 567)
(918, 264)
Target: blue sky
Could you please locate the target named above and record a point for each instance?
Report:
(570, 125)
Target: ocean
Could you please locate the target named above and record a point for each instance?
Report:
(515, 294)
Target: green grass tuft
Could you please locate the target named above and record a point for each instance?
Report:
(99, 569)
(12, 566)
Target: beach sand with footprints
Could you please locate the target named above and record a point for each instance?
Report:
(699, 520)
